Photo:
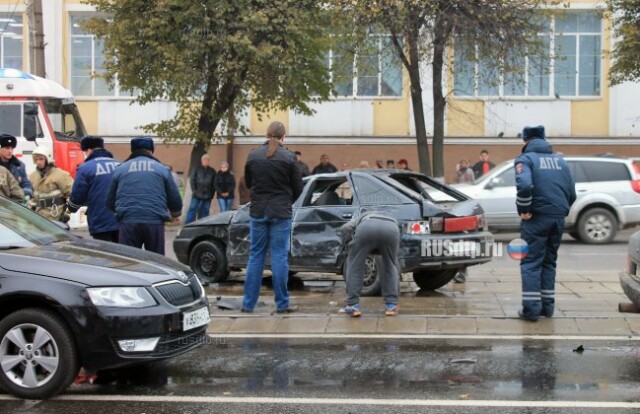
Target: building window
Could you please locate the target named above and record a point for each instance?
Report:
(11, 41)
(87, 63)
(570, 66)
(374, 71)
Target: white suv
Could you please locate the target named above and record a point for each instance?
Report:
(608, 191)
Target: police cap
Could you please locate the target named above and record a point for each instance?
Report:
(7, 140)
(91, 142)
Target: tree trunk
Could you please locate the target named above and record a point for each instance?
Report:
(418, 108)
(439, 102)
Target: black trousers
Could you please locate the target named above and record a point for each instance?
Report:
(110, 236)
(149, 236)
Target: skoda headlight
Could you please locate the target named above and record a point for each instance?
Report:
(121, 297)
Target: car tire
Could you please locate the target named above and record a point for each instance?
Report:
(55, 346)
(209, 261)
(433, 279)
(575, 235)
(597, 226)
(371, 286)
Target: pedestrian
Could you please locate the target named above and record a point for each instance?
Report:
(391, 164)
(51, 185)
(464, 174)
(546, 191)
(403, 164)
(202, 181)
(90, 187)
(275, 182)
(379, 164)
(483, 166)
(9, 186)
(325, 167)
(364, 164)
(304, 168)
(144, 196)
(225, 186)
(9, 161)
(369, 232)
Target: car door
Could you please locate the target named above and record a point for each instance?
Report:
(315, 235)
(498, 200)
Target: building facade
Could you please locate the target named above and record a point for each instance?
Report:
(567, 90)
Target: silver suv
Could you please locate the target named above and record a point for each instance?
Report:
(608, 190)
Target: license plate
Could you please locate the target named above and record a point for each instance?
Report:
(195, 318)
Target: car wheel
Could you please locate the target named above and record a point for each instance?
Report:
(209, 261)
(433, 279)
(37, 354)
(597, 226)
(371, 285)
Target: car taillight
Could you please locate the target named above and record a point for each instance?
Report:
(460, 224)
(635, 183)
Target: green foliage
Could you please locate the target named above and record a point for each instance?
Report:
(423, 31)
(626, 52)
(215, 58)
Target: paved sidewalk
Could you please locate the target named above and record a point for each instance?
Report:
(487, 304)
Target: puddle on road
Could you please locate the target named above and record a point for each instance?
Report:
(373, 368)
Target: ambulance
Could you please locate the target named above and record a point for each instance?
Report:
(38, 111)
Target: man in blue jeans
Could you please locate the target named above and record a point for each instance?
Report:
(275, 181)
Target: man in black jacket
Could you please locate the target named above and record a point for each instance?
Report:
(272, 174)
(203, 189)
(325, 167)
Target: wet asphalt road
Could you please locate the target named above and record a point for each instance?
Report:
(364, 375)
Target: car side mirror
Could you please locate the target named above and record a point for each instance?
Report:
(494, 182)
(30, 127)
(30, 131)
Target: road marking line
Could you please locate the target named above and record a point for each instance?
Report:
(340, 401)
(424, 336)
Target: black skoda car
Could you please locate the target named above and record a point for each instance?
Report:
(68, 303)
(442, 230)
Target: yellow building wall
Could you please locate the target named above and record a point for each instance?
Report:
(465, 118)
(89, 113)
(259, 124)
(392, 116)
(591, 117)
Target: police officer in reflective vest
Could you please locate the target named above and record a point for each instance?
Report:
(371, 232)
(93, 179)
(546, 191)
(51, 185)
(144, 196)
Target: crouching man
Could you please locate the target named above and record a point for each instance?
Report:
(371, 232)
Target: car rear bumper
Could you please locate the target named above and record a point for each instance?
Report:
(629, 216)
(439, 251)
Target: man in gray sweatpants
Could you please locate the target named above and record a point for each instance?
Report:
(372, 232)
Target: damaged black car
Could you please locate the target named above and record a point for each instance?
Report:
(442, 230)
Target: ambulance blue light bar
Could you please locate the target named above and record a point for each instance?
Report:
(14, 74)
